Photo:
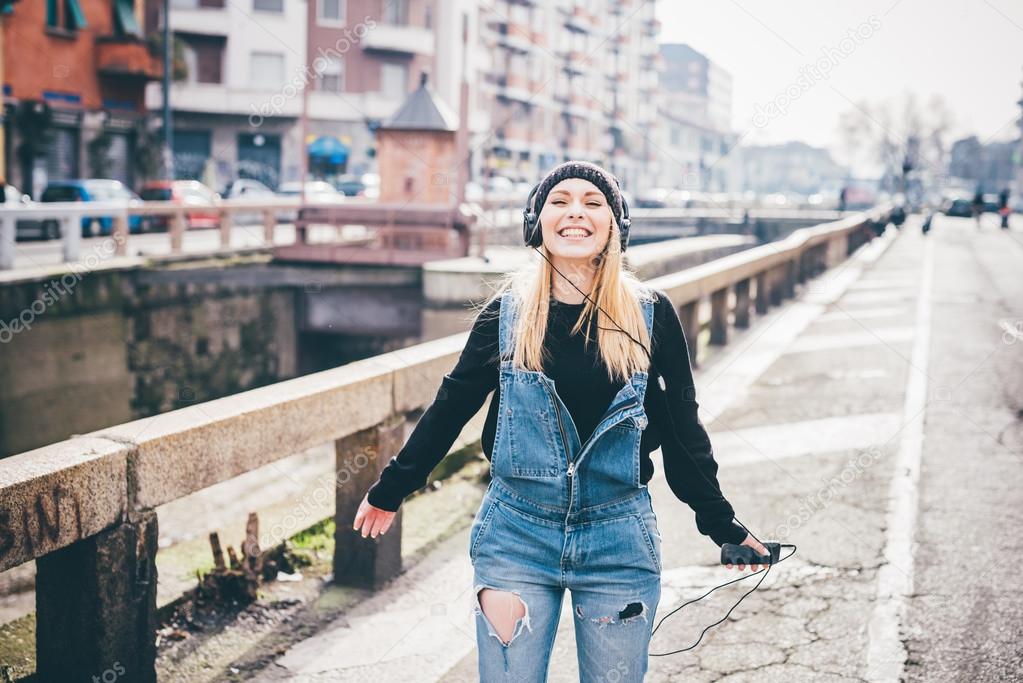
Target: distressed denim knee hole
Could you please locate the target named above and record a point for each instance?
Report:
(520, 623)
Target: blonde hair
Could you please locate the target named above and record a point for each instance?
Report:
(616, 289)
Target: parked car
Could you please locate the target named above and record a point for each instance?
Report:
(958, 207)
(25, 228)
(991, 202)
(191, 193)
(653, 198)
(372, 183)
(248, 189)
(315, 191)
(350, 185)
(91, 190)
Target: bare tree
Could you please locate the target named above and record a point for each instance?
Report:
(905, 138)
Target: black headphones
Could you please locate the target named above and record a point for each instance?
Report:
(532, 234)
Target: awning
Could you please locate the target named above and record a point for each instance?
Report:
(329, 148)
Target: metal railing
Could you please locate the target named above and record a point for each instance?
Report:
(84, 508)
(69, 216)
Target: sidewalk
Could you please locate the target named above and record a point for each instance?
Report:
(790, 405)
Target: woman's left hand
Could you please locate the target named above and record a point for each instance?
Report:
(758, 548)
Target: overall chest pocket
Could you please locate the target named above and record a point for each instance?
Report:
(534, 434)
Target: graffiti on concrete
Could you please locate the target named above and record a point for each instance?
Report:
(41, 524)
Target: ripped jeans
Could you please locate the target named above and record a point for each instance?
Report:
(607, 556)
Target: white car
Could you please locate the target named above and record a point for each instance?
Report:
(318, 191)
(28, 227)
(372, 183)
(247, 188)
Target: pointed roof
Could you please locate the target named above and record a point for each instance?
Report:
(423, 110)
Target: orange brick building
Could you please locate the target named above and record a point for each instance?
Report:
(73, 90)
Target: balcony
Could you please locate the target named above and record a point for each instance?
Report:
(126, 58)
(409, 40)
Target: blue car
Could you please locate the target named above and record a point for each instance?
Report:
(92, 190)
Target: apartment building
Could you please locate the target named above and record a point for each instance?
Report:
(75, 73)
(238, 96)
(562, 79)
(366, 57)
(699, 148)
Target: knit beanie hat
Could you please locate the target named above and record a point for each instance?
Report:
(605, 182)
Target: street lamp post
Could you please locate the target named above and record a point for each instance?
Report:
(168, 133)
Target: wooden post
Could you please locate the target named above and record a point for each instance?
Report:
(8, 235)
(177, 231)
(775, 277)
(689, 316)
(96, 606)
(71, 237)
(365, 562)
(763, 287)
(120, 234)
(719, 317)
(270, 226)
(226, 224)
(742, 302)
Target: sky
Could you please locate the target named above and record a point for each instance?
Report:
(812, 59)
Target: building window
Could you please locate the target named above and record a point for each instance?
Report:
(65, 14)
(268, 6)
(330, 12)
(204, 56)
(396, 12)
(196, 4)
(267, 70)
(394, 80)
(125, 22)
(331, 75)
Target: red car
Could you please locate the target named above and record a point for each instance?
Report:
(191, 193)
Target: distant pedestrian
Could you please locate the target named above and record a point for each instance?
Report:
(842, 197)
(1003, 207)
(978, 205)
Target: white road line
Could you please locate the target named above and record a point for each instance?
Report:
(864, 313)
(886, 654)
(872, 297)
(827, 342)
(805, 438)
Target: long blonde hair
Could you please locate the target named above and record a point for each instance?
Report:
(616, 289)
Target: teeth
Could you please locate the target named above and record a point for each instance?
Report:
(574, 232)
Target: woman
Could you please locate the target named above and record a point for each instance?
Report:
(568, 435)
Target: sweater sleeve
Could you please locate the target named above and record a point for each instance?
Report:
(689, 464)
(460, 396)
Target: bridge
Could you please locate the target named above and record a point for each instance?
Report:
(862, 403)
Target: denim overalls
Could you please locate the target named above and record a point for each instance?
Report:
(562, 514)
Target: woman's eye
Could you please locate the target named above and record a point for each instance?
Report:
(594, 204)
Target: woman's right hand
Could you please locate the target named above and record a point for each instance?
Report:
(372, 520)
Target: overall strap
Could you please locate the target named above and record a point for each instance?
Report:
(648, 314)
(508, 316)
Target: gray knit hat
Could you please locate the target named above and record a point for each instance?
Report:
(605, 182)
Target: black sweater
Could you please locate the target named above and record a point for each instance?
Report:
(582, 383)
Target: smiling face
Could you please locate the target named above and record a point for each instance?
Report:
(575, 220)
